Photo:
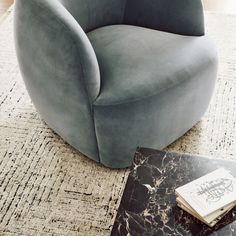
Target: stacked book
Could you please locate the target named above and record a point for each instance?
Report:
(208, 198)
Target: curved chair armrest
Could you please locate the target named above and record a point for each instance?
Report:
(60, 70)
(176, 16)
(45, 30)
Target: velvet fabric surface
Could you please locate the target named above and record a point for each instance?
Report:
(107, 78)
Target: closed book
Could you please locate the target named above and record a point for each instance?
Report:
(209, 193)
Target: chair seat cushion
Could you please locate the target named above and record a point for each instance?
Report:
(137, 62)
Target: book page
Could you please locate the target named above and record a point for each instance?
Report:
(211, 219)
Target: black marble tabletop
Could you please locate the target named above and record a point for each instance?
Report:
(148, 205)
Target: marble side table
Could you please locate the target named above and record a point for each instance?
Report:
(148, 205)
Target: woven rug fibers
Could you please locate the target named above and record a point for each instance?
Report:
(48, 188)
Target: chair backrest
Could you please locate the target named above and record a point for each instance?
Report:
(176, 16)
(92, 14)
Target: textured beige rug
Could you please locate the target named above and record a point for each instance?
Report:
(48, 188)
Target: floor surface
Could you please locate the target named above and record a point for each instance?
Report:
(49, 188)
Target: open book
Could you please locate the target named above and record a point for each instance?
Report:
(210, 197)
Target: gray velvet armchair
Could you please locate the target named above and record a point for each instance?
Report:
(111, 75)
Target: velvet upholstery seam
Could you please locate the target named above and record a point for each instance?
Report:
(124, 13)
